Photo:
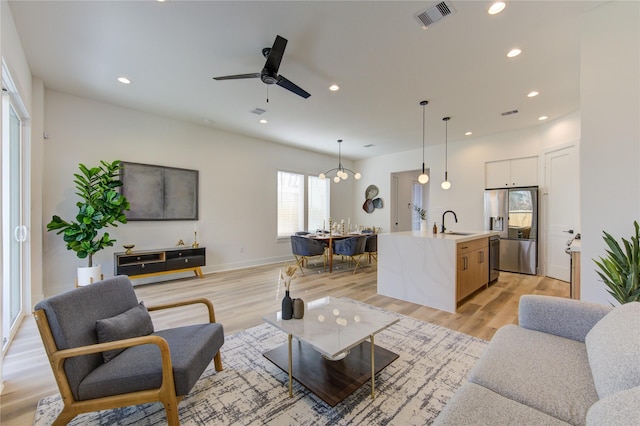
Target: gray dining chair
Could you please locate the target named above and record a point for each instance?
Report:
(303, 248)
(352, 247)
(371, 247)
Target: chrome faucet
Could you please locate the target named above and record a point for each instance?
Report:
(454, 217)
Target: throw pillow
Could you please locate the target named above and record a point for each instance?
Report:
(613, 349)
(133, 323)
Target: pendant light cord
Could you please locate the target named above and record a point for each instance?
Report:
(424, 104)
(446, 144)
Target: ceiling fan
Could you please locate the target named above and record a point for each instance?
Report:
(269, 74)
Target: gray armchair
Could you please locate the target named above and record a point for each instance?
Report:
(105, 354)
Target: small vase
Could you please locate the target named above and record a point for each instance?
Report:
(423, 225)
(298, 308)
(287, 306)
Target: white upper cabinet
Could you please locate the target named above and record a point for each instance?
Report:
(510, 173)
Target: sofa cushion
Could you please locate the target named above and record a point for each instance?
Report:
(613, 346)
(620, 409)
(134, 322)
(473, 404)
(139, 367)
(544, 371)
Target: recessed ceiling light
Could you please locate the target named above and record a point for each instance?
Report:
(334, 87)
(497, 7)
(263, 121)
(468, 133)
(124, 80)
(543, 117)
(513, 53)
(532, 94)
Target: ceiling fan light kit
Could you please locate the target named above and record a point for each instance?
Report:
(424, 177)
(341, 171)
(269, 74)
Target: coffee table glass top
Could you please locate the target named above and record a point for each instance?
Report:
(332, 325)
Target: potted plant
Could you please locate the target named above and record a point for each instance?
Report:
(422, 214)
(620, 269)
(101, 206)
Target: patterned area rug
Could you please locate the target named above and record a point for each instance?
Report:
(432, 365)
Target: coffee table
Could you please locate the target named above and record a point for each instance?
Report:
(334, 353)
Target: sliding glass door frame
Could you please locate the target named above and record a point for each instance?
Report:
(15, 209)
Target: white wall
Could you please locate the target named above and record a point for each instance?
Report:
(610, 145)
(238, 184)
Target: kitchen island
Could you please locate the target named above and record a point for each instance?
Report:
(435, 270)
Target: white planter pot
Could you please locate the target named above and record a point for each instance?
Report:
(89, 275)
(423, 226)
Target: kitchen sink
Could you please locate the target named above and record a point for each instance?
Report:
(459, 233)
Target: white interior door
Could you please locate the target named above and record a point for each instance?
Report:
(563, 207)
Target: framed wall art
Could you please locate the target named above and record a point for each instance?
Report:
(159, 192)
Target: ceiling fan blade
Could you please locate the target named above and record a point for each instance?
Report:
(275, 55)
(237, 77)
(283, 82)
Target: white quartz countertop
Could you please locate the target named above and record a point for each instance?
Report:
(456, 236)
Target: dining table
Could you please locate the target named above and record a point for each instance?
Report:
(327, 238)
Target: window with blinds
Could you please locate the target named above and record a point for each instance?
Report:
(293, 213)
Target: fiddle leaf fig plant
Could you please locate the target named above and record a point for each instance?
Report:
(620, 269)
(101, 206)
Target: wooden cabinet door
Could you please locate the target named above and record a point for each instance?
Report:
(472, 272)
(464, 283)
(480, 268)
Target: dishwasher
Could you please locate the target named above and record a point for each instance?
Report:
(494, 258)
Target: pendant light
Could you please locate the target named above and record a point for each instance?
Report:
(341, 172)
(445, 183)
(423, 178)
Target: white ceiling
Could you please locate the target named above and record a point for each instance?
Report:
(384, 62)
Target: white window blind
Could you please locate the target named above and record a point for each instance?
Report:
(290, 203)
(318, 202)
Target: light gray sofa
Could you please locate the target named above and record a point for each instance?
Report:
(568, 362)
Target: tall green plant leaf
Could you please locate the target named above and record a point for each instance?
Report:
(620, 269)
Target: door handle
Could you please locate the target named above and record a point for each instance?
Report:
(20, 233)
(570, 231)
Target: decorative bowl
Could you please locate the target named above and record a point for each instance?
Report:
(129, 248)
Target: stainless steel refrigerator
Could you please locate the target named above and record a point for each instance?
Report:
(513, 212)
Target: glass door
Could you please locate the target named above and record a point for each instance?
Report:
(14, 232)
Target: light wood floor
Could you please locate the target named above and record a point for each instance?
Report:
(242, 297)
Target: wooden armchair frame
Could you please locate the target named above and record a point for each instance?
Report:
(166, 393)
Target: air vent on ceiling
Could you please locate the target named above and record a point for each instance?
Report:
(514, 111)
(434, 13)
(259, 111)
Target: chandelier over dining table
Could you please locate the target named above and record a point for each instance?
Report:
(342, 173)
